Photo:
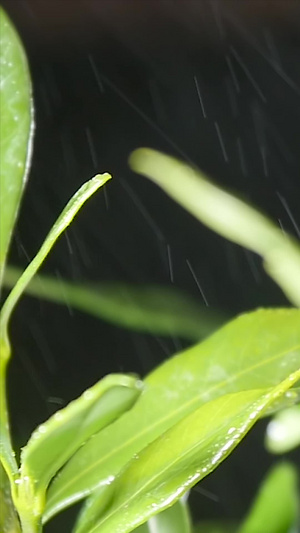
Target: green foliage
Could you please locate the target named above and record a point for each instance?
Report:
(16, 129)
(242, 356)
(195, 408)
(54, 442)
(9, 522)
(151, 308)
(162, 472)
(225, 214)
(276, 506)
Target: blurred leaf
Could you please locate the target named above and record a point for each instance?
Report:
(275, 508)
(55, 441)
(175, 519)
(225, 214)
(16, 129)
(153, 308)
(257, 350)
(283, 432)
(163, 471)
(215, 527)
(9, 522)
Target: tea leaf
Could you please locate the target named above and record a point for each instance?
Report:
(16, 130)
(162, 472)
(55, 441)
(175, 519)
(66, 217)
(257, 350)
(16, 133)
(227, 215)
(275, 508)
(148, 308)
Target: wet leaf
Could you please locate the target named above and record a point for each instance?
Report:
(55, 441)
(16, 132)
(227, 215)
(257, 350)
(175, 519)
(16, 129)
(277, 504)
(151, 308)
(162, 472)
(283, 431)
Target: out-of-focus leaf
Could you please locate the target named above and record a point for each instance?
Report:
(258, 350)
(55, 441)
(283, 432)
(215, 527)
(225, 214)
(161, 473)
(175, 519)
(16, 129)
(9, 522)
(276, 506)
(153, 308)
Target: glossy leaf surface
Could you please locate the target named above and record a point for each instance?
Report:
(155, 309)
(227, 215)
(161, 473)
(55, 441)
(16, 129)
(257, 350)
(277, 504)
(283, 431)
(175, 519)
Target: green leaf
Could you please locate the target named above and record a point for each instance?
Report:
(162, 472)
(175, 519)
(16, 129)
(257, 350)
(63, 221)
(283, 432)
(66, 217)
(55, 441)
(153, 308)
(227, 215)
(16, 134)
(9, 522)
(275, 508)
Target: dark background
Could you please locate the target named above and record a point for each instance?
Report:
(214, 83)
